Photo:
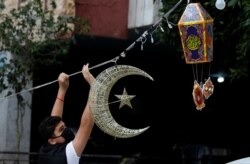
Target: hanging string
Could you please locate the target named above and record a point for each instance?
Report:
(196, 69)
(196, 72)
(201, 74)
(141, 39)
(193, 72)
(113, 102)
(209, 68)
(114, 60)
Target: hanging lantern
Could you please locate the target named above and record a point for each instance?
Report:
(196, 31)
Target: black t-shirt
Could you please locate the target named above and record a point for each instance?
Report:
(52, 154)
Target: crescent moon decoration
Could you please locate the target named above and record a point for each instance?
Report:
(99, 105)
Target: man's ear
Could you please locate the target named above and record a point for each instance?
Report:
(51, 141)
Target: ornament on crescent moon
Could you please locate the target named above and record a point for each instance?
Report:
(125, 99)
(99, 104)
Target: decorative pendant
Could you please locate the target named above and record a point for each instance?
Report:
(208, 88)
(198, 96)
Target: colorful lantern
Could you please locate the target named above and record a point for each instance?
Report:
(196, 31)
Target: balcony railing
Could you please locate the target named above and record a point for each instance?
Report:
(32, 158)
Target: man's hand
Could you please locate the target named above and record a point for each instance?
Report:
(63, 80)
(87, 75)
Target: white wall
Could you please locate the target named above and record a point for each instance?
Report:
(143, 12)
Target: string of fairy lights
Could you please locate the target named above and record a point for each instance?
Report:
(220, 4)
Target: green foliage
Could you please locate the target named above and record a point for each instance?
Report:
(231, 34)
(34, 38)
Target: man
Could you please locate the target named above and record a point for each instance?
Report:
(62, 146)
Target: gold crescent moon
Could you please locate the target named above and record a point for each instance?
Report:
(99, 101)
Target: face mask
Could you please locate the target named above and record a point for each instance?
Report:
(68, 135)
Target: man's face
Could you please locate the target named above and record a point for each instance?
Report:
(58, 132)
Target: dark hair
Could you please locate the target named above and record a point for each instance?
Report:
(47, 126)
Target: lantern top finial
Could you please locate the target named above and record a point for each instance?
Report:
(194, 12)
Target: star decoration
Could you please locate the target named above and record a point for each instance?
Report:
(125, 99)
